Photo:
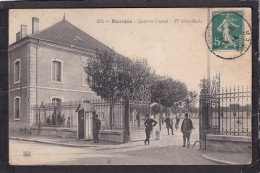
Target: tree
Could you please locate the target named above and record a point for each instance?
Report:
(139, 73)
(108, 81)
(190, 100)
(116, 77)
(168, 91)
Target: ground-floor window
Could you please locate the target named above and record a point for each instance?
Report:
(17, 107)
(56, 101)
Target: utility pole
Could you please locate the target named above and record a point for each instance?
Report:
(208, 54)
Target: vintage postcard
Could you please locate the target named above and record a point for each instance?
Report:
(126, 86)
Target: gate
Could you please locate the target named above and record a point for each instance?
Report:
(224, 111)
(138, 111)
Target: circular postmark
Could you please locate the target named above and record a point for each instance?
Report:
(228, 34)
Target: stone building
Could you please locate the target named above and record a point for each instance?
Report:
(47, 67)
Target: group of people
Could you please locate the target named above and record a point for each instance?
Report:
(59, 120)
(186, 128)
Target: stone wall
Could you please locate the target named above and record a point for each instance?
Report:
(228, 143)
(111, 135)
(55, 132)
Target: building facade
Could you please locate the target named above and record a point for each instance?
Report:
(48, 67)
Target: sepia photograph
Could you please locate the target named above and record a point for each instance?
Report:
(130, 86)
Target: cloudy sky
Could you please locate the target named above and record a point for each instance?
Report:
(174, 49)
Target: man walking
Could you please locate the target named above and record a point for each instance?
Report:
(96, 128)
(149, 124)
(169, 124)
(186, 128)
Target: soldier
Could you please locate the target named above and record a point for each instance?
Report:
(48, 121)
(96, 128)
(186, 128)
(149, 123)
(169, 123)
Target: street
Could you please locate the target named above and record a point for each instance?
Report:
(167, 150)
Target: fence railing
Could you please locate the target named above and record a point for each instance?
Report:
(55, 115)
(230, 112)
(110, 113)
(138, 111)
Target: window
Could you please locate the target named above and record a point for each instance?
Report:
(17, 70)
(56, 101)
(56, 71)
(17, 108)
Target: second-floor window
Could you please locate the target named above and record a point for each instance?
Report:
(56, 71)
(17, 70)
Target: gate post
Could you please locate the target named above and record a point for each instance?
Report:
(126, 122)
(203, 116)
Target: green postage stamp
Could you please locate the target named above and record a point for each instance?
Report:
(228, 33)
(227, 30)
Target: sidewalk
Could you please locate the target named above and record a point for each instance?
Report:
(228, 158)
(61, 141)
(165, 141)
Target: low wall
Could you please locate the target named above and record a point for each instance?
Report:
(57, 132)
(228, 143)
(112, 135)
(105, 135)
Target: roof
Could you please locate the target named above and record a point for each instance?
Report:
(65, 33)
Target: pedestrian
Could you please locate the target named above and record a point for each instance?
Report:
(96, 128)
(186, 128)
(149, 124)
(53, 119)
(59, 119)
(177, 122)
(48, 121)
(68, 122)
(63, 120)
(169, 124)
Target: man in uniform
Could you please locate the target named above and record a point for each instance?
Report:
(169, 124)
(186, 128)
(149, 124)
(96, 128)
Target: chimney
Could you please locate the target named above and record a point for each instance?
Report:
(18, 36)
(35, 25)
(23, 31)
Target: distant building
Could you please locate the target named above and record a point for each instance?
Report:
(47, 67)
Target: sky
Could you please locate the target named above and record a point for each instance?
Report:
(174, 49)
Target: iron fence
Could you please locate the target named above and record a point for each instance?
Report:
(49, 115)
(111, 114)
(229, 112)
(138, 111)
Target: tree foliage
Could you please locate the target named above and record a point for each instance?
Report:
(168, 91)
(191, 99)
(115, 76)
